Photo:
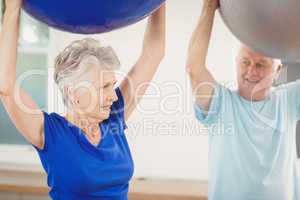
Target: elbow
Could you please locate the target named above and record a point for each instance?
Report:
(3, 93)
(190, 70)
(194, 70)
(160, 53)
(162, 50)
(5, 90)
(156, 55)
(194, 64)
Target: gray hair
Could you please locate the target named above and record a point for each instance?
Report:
(239, 46)
(66, 67)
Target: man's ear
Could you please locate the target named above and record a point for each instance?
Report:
(278, 71)
(279, 68)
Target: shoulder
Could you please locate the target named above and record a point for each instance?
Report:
(289, 90)
(52, 117)
(54, 123)
(225, 93)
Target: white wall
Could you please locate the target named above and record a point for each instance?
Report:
(164, 144)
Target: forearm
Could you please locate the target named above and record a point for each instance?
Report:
(199, 42)
(153, 49)
(136, 83)
(8, 50)
(154, 39)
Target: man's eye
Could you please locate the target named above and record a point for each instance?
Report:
(259, 65)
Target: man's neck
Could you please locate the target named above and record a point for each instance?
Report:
(258, 96)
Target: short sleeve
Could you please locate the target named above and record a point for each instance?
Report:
(48, 129)
(293, 97)
(119, 108)
(215, 108)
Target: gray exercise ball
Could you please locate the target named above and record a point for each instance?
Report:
(271, 27)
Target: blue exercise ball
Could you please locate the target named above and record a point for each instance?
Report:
(90, 16)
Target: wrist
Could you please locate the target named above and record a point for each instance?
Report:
(12, 12)
(207, 13)
(12, 9)
(209, 8)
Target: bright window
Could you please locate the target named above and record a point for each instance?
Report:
(31, 68)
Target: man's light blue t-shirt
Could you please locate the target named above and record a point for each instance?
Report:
(252, 145)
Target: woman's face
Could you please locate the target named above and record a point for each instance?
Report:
(94, 92)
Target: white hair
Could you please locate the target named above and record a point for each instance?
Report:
(238, 46)
(67, 63)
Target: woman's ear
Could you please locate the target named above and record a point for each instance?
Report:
(69, 94)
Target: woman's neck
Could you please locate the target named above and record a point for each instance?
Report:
(88, 124)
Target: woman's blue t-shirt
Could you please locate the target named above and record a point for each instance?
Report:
(78, 170)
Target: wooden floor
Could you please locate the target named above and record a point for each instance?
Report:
(31, 180)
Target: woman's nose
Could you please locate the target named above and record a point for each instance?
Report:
(113, 96)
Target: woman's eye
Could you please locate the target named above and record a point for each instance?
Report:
(246, 62)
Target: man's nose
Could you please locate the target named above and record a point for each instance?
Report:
(252, 70)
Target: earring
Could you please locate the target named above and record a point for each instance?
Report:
(75, 102)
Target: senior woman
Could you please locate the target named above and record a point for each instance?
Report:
(84, 153)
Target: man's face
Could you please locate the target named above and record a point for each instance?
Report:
(255, 72)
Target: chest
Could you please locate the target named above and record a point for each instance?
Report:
(82, 166)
